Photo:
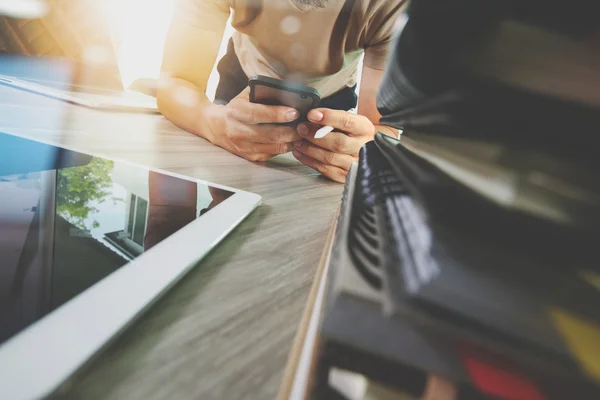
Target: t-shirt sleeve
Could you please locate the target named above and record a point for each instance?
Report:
(380, 33)
(204, 14)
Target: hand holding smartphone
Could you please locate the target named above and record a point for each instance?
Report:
(276, 92)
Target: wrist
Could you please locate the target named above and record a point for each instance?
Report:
(388, 131)
(211, 121)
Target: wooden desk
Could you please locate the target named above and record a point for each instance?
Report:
(225, 331)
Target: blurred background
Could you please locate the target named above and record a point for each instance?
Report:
(125, 34)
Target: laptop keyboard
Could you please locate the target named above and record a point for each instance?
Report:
(375, 184)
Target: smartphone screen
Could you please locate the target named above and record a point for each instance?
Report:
(278, 97)
(270, 91)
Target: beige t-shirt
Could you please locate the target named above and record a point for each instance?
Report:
(320, 47)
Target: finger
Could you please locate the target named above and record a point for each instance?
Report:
(272, 149)
(334, 173)
(243, 132)
(336, 142)
(253, 157)
(251, 113)
(344, 121)
(344, 161)
(274, 134)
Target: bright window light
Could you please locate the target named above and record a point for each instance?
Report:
(139, 29)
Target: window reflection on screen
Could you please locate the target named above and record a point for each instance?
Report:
(68, 219)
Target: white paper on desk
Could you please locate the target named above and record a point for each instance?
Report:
(352, 385)
(355, 386)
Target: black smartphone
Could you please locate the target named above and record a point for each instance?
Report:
(276, 92)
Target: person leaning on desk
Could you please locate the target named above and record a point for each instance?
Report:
(318, 42)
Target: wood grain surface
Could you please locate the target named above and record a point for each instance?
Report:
(291, 368)
(225, 331)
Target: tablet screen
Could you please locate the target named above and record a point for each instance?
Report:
(68, 219)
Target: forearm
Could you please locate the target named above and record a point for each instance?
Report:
(186, 105)
(367, 100)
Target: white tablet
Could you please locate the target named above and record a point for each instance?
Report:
(86, 245)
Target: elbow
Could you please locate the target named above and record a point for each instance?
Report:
(162, 97)
(164, 93)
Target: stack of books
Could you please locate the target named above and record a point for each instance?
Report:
(463, 261)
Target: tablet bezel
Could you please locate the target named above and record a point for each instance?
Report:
(37, 360)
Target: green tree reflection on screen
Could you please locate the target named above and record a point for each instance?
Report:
(79, 189)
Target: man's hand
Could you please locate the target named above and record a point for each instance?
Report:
(245, 129)
(334, 154)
